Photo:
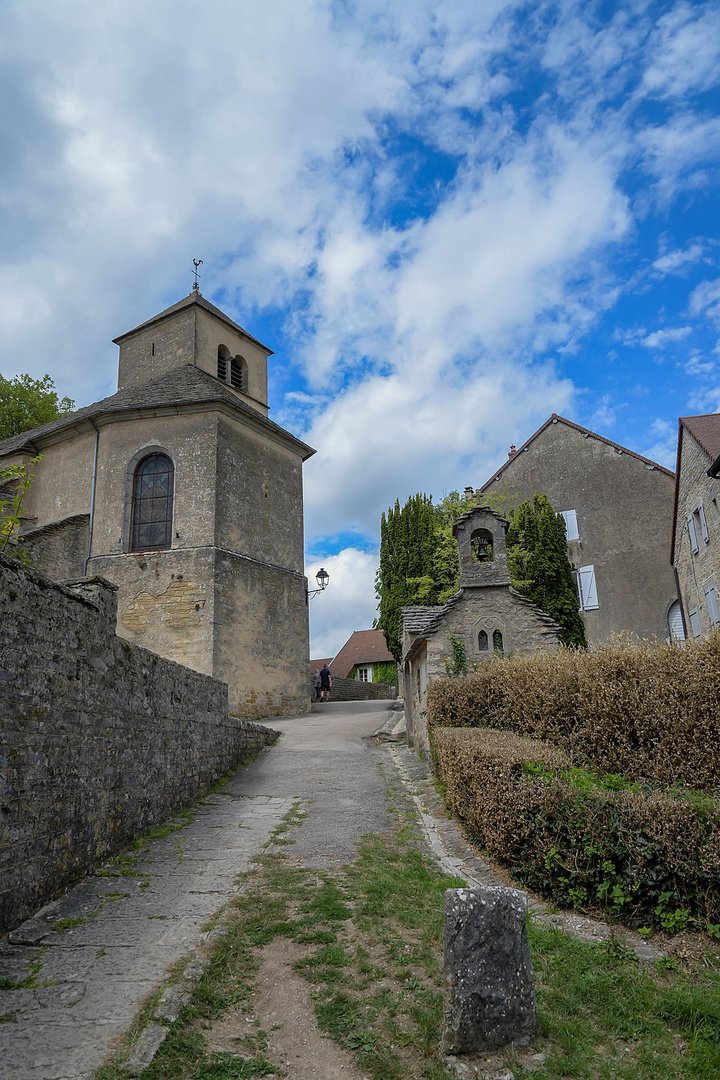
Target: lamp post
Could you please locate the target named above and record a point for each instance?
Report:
(322, 577)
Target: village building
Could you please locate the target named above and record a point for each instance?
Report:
(618, 510)
(182, 492)
(486, 615)
(695, 551)
(361, 656)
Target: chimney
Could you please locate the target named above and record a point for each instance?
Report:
(512, 451)
(469, 492)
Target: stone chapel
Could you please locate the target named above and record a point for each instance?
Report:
(486, 614)
(182, 492)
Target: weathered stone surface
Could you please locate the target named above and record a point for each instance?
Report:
(99, 740)
(489, 984)
(146, 1048)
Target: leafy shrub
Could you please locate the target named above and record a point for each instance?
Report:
(647, 711)
(580, 838)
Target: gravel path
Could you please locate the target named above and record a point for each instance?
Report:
(125, 932)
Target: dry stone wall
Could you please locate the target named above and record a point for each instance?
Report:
(354, 690)
(100, 738)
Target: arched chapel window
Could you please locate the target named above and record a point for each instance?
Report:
(498, 642)
(482, 641)
(152, 509)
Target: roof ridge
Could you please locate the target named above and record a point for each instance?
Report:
(556, 418)
(132, 398)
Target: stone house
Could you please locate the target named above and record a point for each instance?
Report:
(362, 650)
(182, 492)
(618, 512)
(695, 551)
(486, 614)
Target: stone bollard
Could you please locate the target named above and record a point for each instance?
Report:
(489, 982)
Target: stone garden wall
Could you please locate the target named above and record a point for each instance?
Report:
(354, 690)
(99, 738)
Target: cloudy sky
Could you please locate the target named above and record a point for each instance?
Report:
(448, 219)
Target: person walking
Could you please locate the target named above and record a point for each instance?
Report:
(325, 683)
(316, 685)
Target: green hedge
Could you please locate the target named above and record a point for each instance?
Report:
(584, 839)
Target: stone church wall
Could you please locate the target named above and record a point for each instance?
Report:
(100, 738)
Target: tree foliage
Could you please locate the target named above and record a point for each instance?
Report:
(15, 481)
(540, 568)
(419, 559)
(27, 403)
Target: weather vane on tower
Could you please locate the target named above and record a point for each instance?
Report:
(196, 263)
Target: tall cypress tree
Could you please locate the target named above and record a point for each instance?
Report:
(540, 568)
(407, 545)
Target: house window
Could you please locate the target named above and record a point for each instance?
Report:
(571, 525)
(364, 674)
(697, 527)
(498, 642)
(152, 504)
(695, 623)
(587, 589)
(712, 604)
(482, 641)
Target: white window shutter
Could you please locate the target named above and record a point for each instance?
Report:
(703, 524)
(588, 588)
(675, 623)
(571, 525)
(712, 605)
(693, 537)
(695, 623)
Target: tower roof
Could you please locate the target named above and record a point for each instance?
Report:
(197, 298)
(186, 386)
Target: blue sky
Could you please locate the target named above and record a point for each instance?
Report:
(447, 219)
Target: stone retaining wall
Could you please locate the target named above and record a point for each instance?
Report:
(354, 690)
(100, 738)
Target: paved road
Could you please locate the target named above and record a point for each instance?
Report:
(94, 974)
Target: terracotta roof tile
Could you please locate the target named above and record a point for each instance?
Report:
(362, 647)
(706, 431)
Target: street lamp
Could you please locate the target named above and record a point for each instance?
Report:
(322, 577)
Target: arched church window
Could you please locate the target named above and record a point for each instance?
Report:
(152, 509)
(482, 641)
(481, 545)
(498, 642)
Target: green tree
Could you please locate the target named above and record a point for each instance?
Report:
(540, 568)
(15, 481)
(27, 403)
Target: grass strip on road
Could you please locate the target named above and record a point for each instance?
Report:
(372, 938)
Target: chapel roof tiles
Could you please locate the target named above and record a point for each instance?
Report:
(185, 385)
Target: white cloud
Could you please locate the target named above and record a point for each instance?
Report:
(677, 262)
(677, 152)
(347, 604)
(664, 448)
(705, 299)
(659, 339)
(685, 51)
